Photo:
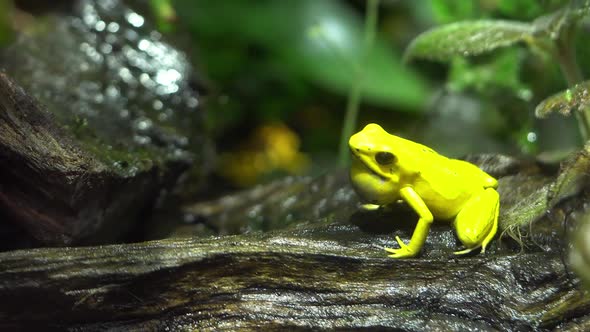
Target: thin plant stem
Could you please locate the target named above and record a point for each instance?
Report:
(566, 56)
(355, 94)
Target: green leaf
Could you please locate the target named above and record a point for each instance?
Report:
(553, 24)
(331, 52)
(572, 179)
(322, 41)
(467, 38)
(499, 75)
(575, 98)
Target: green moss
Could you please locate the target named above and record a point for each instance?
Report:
(121, 159)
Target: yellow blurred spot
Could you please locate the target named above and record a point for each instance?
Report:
(271, 148)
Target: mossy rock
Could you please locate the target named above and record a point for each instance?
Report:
(126, 101)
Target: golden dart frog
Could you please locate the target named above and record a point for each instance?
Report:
(387, 168)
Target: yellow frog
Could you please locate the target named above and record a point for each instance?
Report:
(386, 168)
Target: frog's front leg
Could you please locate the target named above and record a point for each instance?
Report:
(422, 227)
(477, 222)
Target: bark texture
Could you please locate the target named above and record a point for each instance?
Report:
(279, 281)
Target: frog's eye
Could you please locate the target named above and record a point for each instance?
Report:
(384, 158)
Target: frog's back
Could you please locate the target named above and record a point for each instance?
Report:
(443, 175)
(446, 172)
(473, 172)
(413, 156)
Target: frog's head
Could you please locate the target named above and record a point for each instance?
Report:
(373, 149)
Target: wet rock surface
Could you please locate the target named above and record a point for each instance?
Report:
(122, 97)
(106, 73)
(284, 202)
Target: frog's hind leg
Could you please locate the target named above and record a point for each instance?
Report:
(477, 223)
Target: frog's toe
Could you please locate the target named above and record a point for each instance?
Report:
(466, 251)
(401, 252)
(400, 242)
(370, 207)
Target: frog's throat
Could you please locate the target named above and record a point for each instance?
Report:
(366, 161)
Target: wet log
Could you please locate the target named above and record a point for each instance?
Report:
(283, 281)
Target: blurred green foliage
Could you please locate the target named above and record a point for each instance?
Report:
(6, 11)
(285, 50)
(294, 62)
(165, 14)
(552, 34)
(318, 41)
(501, 72)
(449, 11)
(275, 60)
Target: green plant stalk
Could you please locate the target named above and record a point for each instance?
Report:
(566, 56)
(355, 94)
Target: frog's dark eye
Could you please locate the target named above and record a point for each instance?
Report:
(384, 158)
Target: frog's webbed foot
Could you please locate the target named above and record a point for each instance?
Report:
(403, 251)
(477, 223)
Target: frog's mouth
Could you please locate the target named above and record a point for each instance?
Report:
(361, 159)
